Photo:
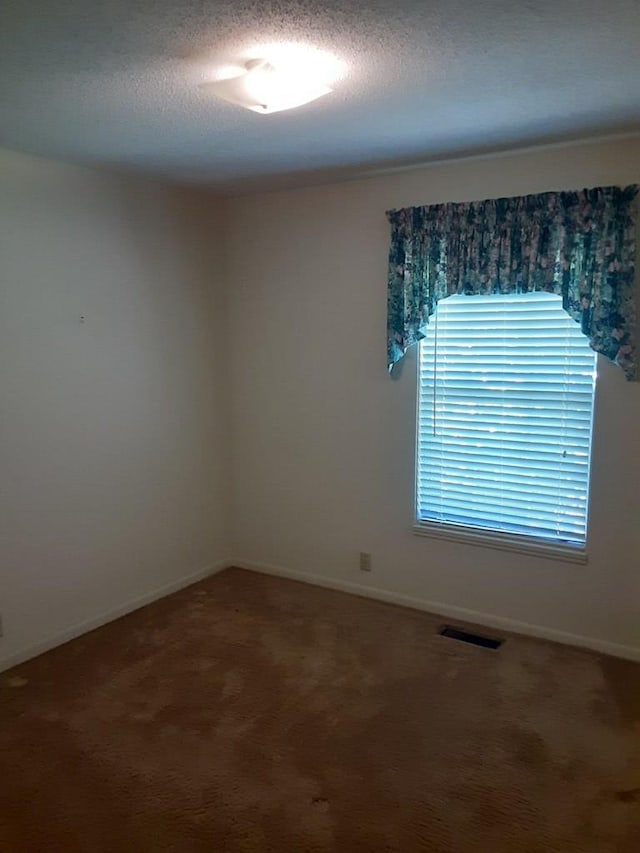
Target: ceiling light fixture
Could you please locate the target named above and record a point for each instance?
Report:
(292, 78)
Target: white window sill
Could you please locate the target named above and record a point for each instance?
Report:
(502, 541)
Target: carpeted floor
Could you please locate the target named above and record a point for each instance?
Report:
(250, 713)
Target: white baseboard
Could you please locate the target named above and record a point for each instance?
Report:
(450, 611)
(121, 610)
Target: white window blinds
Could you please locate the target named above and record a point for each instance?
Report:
(506, 386)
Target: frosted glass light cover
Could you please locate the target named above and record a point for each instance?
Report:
(266, 89)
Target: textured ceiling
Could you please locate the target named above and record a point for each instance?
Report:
(116, 82)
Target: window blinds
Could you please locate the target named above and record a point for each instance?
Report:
(506, 385)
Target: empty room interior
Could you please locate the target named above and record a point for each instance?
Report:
(319, 426)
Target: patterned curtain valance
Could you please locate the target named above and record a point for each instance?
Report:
(579, 245)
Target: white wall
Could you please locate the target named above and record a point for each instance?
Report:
(323, 439)
(112, 431)
(115, 436)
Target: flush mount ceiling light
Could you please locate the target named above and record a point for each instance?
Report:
(287, 79)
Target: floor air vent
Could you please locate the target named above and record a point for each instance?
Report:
(466, 637)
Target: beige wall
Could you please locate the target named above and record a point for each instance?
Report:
(323, 439)
(116, 433)
(111, 433)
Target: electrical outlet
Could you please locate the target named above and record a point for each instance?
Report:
(365, 561)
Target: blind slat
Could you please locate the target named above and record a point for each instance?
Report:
(504, 417)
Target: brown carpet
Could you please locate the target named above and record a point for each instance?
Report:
(250, 713)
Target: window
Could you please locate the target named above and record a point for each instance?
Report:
(505, 404)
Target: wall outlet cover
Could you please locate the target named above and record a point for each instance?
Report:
(365, 561)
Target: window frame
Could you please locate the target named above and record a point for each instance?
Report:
(567, 552)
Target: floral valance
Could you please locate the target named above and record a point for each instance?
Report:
(579, 245)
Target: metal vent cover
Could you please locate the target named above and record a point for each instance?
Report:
(467, 637)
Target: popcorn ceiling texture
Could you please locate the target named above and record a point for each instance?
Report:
(116, 83)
